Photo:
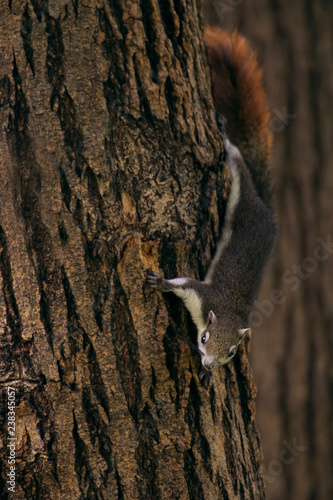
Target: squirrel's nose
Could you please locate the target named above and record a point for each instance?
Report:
(209, 365)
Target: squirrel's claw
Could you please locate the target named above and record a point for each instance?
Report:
(154, 280)
(205, 378)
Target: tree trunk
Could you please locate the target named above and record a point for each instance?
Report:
(292, 350)
(110, 164)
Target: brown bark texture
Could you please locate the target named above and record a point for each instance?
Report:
(292, 349)
(110, 165)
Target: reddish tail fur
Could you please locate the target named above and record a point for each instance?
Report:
(240, 98)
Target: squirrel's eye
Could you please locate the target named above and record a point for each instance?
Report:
(205, 337)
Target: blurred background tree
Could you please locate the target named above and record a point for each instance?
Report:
(292, 348)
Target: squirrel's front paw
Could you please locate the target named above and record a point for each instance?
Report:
(154, 280)
(205, 378)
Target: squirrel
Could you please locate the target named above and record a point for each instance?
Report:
(220, 305)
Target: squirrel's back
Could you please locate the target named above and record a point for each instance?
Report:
(239, 96)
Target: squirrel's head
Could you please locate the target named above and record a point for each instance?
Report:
(219, 341)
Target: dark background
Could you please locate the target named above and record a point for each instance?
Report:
(292, 350)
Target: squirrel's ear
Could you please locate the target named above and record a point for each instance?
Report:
(211, 318)
(243, 331)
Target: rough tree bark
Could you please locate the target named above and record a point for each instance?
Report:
(110, 164)
(292, 350)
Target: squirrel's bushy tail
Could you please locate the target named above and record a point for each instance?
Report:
(239, 96)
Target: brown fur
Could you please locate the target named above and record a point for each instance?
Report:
(240, 98)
